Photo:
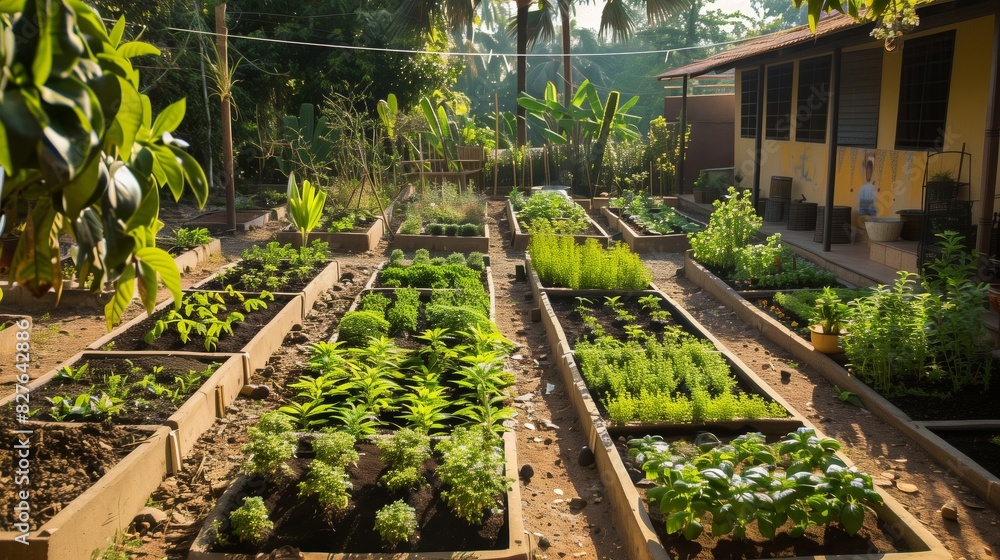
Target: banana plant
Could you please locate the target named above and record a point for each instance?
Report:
(440, 136)
(388, 113)
(305, 207)
(309, 144)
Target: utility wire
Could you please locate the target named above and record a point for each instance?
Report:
(463, 54)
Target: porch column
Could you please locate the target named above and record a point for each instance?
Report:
(683, 146)
(758, 141)
(991, 146)
(831, 163)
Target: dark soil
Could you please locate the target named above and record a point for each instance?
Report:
(829, 540)
(978, 445)
(302, 522)
(234, 278)
(142, 407)
(243, 333)
(64, 461)
(572, 323)
(641, 230)
(977, 404)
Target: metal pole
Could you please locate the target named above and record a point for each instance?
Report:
(683, 136)
(758, 141)
(831, 172)
(991, 146)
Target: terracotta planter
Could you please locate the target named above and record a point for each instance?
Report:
(827, 343)
(516, 550)
(520, 239)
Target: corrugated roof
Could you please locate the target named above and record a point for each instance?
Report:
(765, 43)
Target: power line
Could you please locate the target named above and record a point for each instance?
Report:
(463, 54)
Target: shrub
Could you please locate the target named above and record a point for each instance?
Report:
(410, 226)
(553, 212)
(451, 230)
(357, 327)
(435, 229)
(475, 261)
(396, 257)
(374, 302)
(732, 225)
(406, 448)
(456, 259)
(404, 312)
(335, 449)
(268, 450)
(472, 466)
(457, 319)
(250, 521)
(421, 256)
(396, 523)
(469, 230)
(331, 485)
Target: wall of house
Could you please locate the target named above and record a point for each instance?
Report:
(898, 174)
(711, 120)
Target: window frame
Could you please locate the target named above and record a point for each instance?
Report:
(749, 102)
(923, 102)
(778, 101)
(811, 118)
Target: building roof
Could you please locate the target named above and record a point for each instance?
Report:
(727, 59)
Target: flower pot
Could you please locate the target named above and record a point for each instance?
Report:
(884, 229)
(994, 294)
(827, 343)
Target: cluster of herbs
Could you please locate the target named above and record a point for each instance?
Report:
(444, 382)
(443, 210)
(672, 377)
(275, 266)
(799, 482)
(798, 309)
(652, 215)
(561, 262)
(772, 266)
(110, 396)
(207, 315)
(551, 212)
(423, 271)
(923, 335)
(471, 467)
(347, 220)
(191, 237)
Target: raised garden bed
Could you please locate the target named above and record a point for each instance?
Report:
(537, 287)
(486, 277)
(209, 383)
(189, 258)
(642, 241)
(87, 482)
(629, 511)
(10, 325)
(258, 336)
(246, 220)
(362, 238)
(978, 479)
(443, 243)
(299, 524)
(520, 238)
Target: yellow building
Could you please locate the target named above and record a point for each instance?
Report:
(858, 124)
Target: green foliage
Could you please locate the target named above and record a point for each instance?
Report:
(830, 314)
(207, 314)
(411, 226)
(444, 205)
(403, 315)
(472, 467)
(396, 523)
(81, 148)
(270, 443)
(330, 483)
(798, 481)
(305, 207)
(335, 449)
(802, 303)
(559, 261)
(475, 261)
(86, 407)
(732, 226)
(375, 302)
(404, 452)
(552, 212)
(250, 521)
(652, 215)
(357, 327)
(274, 266)
(191, 237)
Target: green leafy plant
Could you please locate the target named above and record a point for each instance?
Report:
(552, 212)
(73, 374)
(358, 327)
(85, 407)
(330, 483)
(830, 314)
(250, 522)
(732, 225)
(799, 480)
(270, 444)
(206, 314)
(335, 449)
(472, 467)
(191, 237)
(561, 262)
(404, 452)
(848, 397)
(305, 207)
(396, 523)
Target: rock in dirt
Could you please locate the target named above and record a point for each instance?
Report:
(950, 511)
(255, 392)
(526, 472)
(543, 542)
(150, 516)
(907, 487)
(524, 398)
(586, 457)
(577, 503)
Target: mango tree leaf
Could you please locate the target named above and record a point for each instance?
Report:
(83, 190)
(115, 37)
(146, 284)
(169, 118)
(146, 213)
(124, 290)
(128, 119)
(167, 170)
(41, 66)
(164, 265)
(193, 174)
(133, 49)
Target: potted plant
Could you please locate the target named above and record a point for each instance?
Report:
(942, 187)
(831, 320)
(704, 190)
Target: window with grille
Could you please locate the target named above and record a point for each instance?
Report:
(925, 80)
(748, 103)
(778, 117)
(813, 99)
(860, 96)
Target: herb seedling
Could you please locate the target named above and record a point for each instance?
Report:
(396, 523)
(250, 521)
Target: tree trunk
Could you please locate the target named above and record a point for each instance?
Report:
(522, 67)
(567, 60)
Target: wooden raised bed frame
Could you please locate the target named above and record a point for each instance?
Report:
(628, 508)
(639, 243)
(517, 539)
(344, 240)
(519, 239)
(443, 243)
(89, 522)
(981, 481)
